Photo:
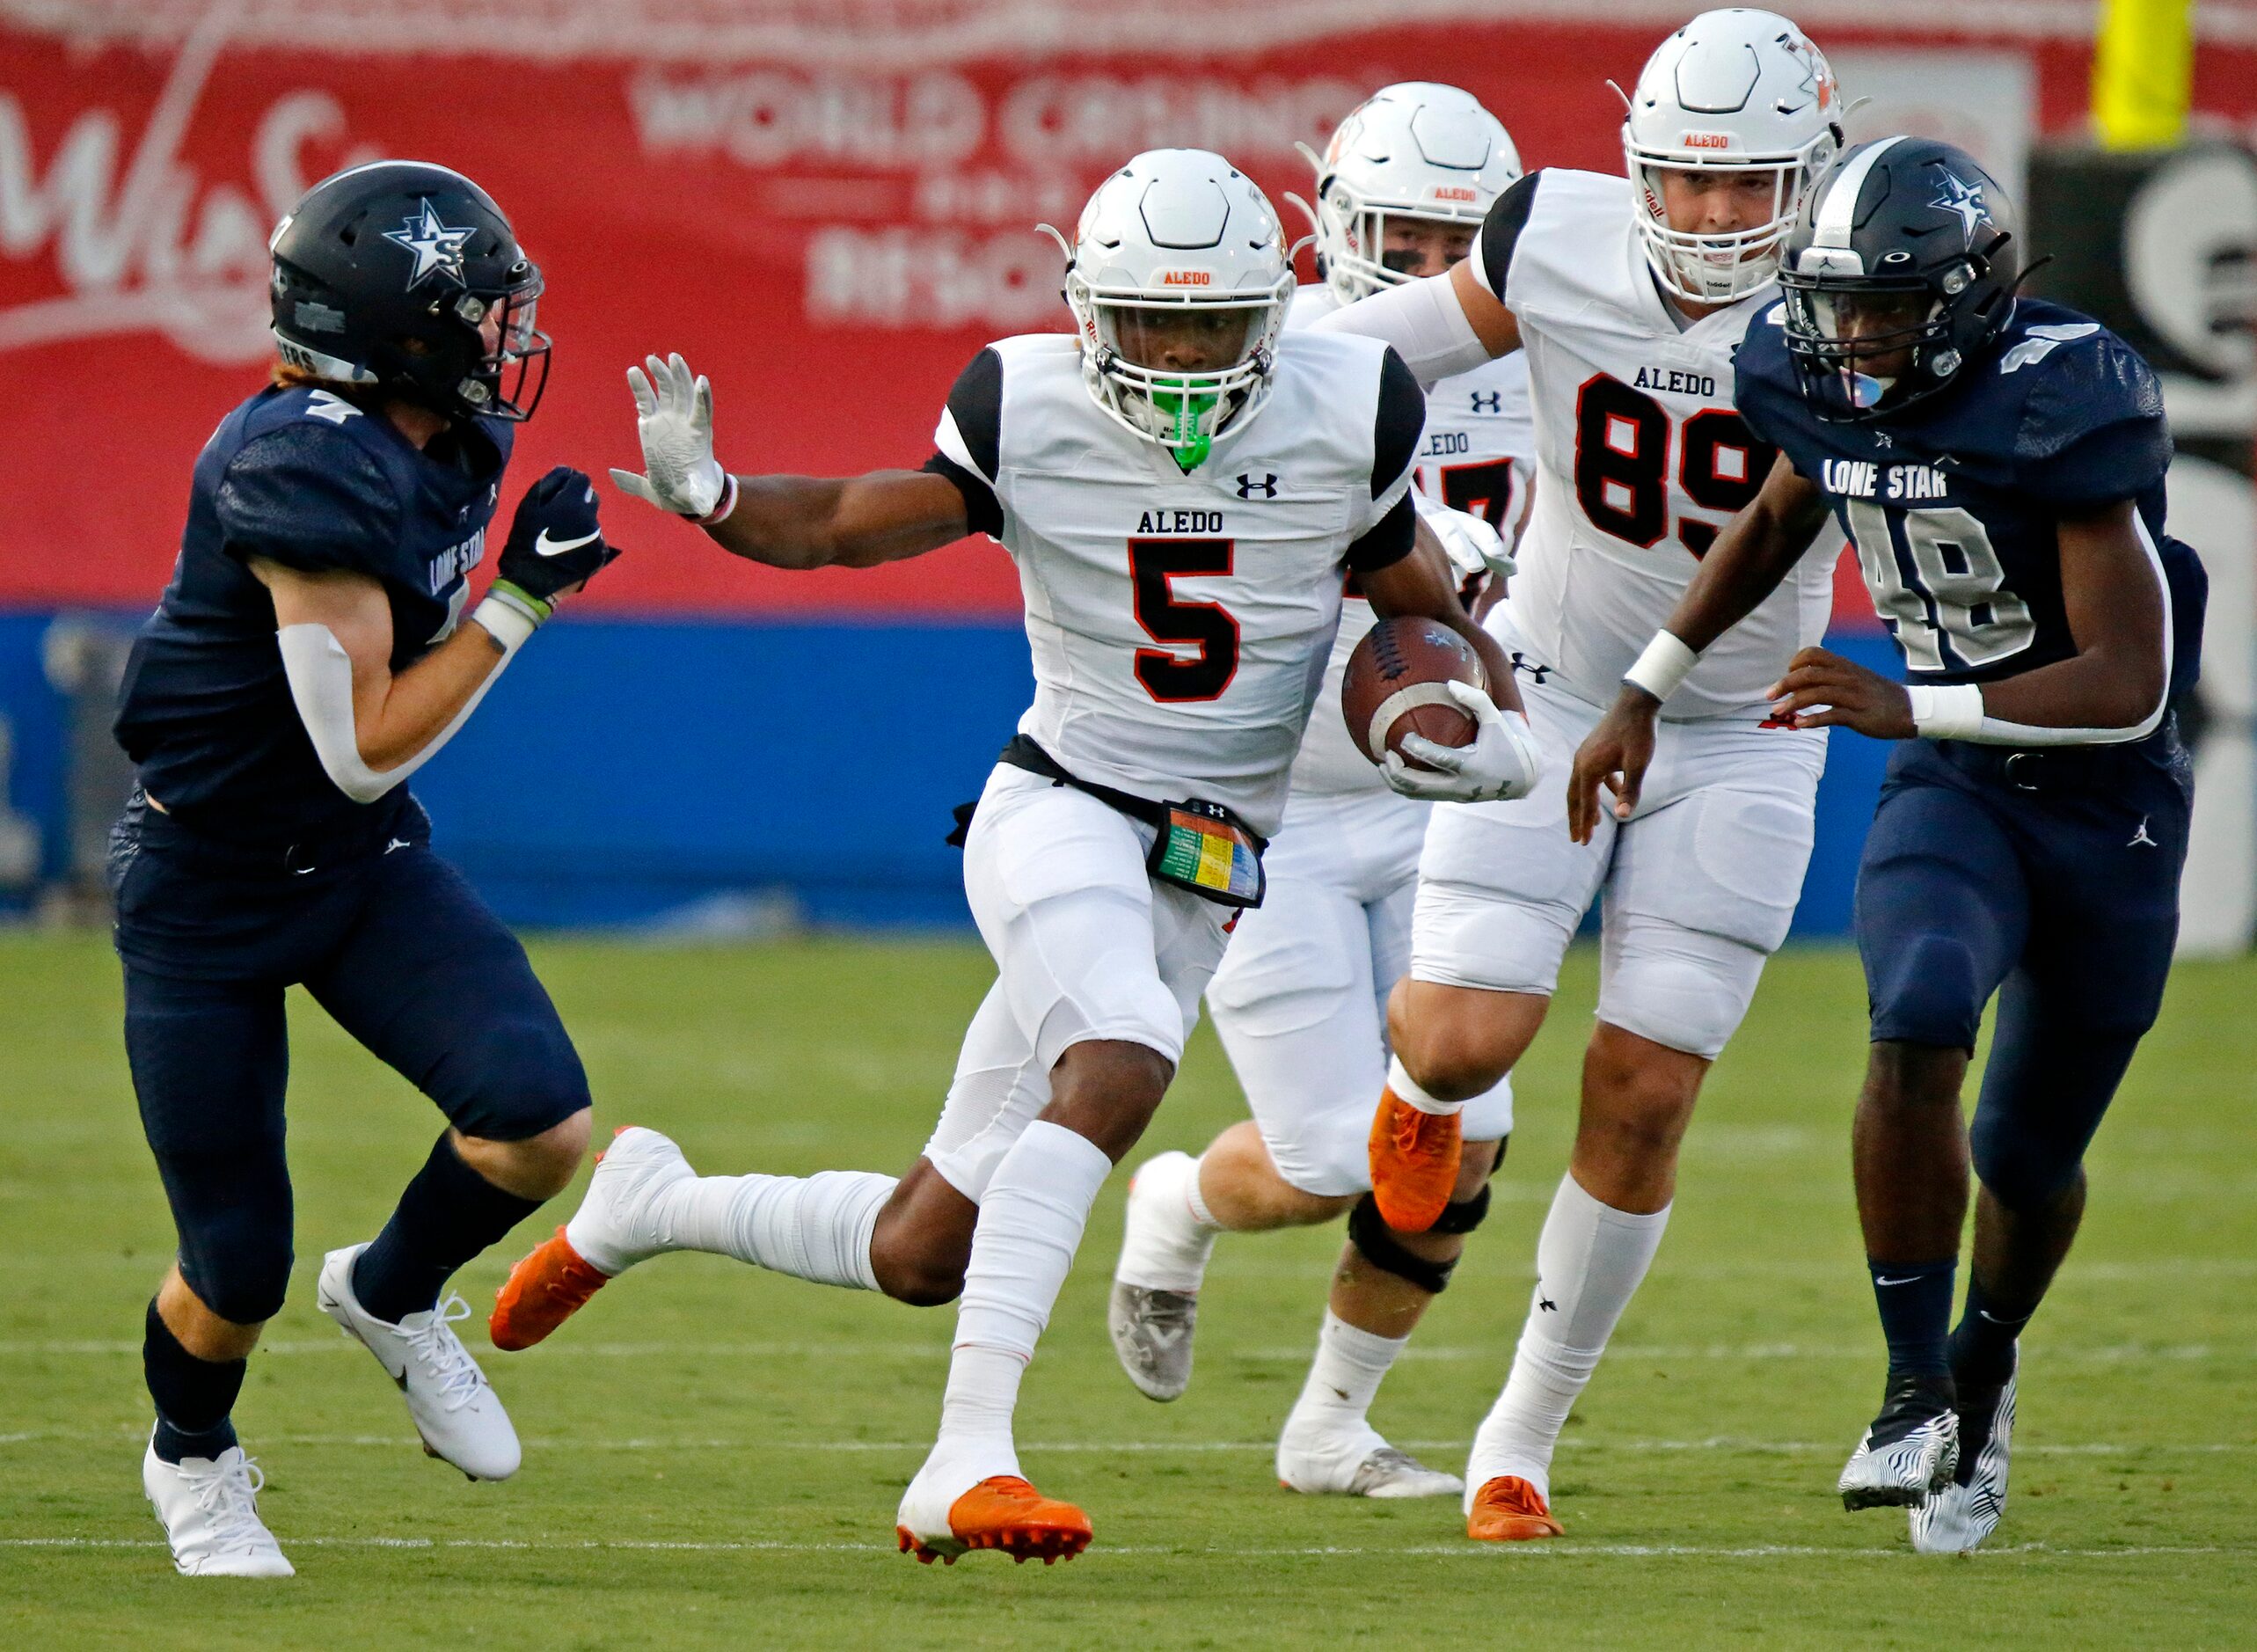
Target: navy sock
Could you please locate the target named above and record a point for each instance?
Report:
(193, 1396)
(448, 1214)
(1983, 1347)
(1916, 1314)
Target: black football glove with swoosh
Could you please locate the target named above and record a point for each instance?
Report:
(555, 543)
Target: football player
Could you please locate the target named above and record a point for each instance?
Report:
(1999, 464)
(1628, 295)
(1183, 490)
(308, 657)
(1300, 999)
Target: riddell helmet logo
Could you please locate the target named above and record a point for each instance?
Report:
(1452, 192)
(1187, 278)
(1709, 140)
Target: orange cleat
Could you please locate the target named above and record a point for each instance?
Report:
(1413, 1163)
(541, 1293)
(1003, 1512)
(1509, 1509)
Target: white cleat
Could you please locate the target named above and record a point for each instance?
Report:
(452, 1405)
(1966, 1511)
(209, 1509)
(1911, 1451)
(621, 1219)
(1355, 1464)
(1164, 1254)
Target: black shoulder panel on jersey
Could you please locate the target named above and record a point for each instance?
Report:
(1387, 541)
(1501, 230)
(975, 403)
(308, 496)
(1397, 426)
(983, 511)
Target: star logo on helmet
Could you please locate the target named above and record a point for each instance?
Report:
(1965, 200)
(437, 248)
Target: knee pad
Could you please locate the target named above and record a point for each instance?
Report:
(1922, 989)
(240, 1269)
(2024, 1169)
(1687, 989)
(1376, 1242)
(1463, 1216)
(518, 1078)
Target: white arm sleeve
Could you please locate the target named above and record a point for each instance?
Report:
(320, 674)
(1425, 323)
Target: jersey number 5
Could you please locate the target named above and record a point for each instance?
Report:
(1166, 676)
(1622, 464)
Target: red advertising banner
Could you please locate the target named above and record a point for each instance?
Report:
(829, 234)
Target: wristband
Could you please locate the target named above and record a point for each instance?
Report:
(1951, 711)
(509, 614)
(722, 507)
(1662, 666)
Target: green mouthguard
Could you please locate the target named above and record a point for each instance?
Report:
(1188, 410)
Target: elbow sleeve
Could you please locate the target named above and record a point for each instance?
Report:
(1423, 321)
(320, 674)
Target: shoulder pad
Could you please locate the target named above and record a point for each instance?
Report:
(306, 494)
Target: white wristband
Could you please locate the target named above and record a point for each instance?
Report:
(1662, 666)
(505, 619)
(1947, 711)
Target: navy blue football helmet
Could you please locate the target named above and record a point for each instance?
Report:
(1899, 273)
(406, 275)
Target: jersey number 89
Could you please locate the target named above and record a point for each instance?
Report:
(1622, 464)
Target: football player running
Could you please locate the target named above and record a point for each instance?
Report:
(1628, 295)
(308, 658)
(1999, 464)
(1183, 491)
(1300, 999)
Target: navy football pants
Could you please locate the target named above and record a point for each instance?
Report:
(2063, 900)
(395, 946)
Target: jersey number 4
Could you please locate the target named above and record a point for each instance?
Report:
(1168, 676)
(1622, 464)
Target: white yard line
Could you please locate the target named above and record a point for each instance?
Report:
(1566, 1548)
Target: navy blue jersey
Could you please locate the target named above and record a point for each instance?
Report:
(306, 479)
(1952, 505)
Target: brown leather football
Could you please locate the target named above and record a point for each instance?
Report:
(1394, 686)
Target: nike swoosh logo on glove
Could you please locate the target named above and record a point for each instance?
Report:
(548, 547)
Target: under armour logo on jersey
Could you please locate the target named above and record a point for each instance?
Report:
(336, 409)
(1488, 400)
(1247, 485)
(2140, 836)
(437, 247)
(1523, 666)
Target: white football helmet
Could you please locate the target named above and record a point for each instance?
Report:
(1738, 91)
(1179, 279)
(1413, 151)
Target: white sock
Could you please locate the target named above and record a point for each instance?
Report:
(1345, 1376)
(1030, 1224)
(814, 1227)
(1171, 1234)
(1588, 1263)
(1406, 1089)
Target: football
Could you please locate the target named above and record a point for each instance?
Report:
(1396, 684)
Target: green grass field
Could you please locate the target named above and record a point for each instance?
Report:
(713, 1454)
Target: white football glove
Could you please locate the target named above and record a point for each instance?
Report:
(1503, 762)
(1469, 543)
(673, 416)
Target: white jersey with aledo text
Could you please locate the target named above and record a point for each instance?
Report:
(1477, 426)
(1641, 457)
(1179, 624)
